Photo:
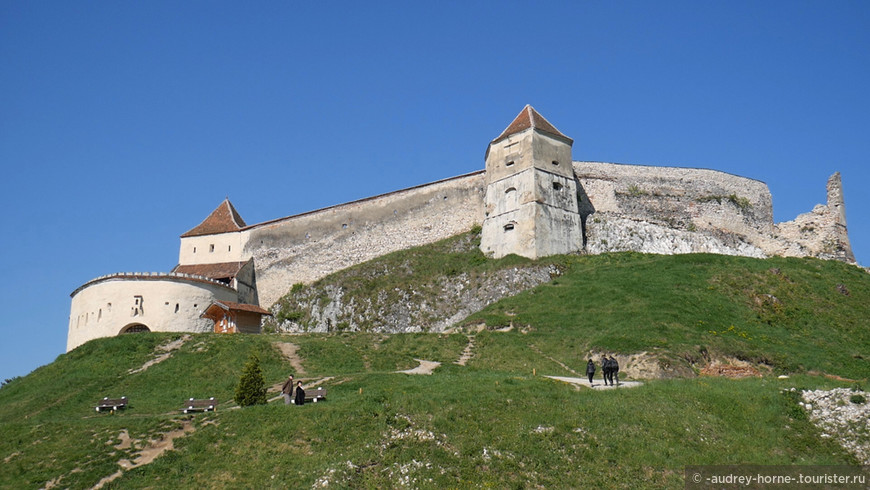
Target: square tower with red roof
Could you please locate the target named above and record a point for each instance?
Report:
(531, 206)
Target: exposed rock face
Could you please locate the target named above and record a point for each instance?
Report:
(607, 232)
(841, 418)
(433, 308)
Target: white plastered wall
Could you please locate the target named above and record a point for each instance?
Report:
(105, 307)
(213, 249)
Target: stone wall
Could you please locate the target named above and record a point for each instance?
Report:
(664, 210)
(304, 248)
(681, 198)
(670, 210)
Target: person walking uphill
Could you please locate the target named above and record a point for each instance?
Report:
(590, 370)
(614, 369)
(300, 394)
(287, 390)
(605, 368)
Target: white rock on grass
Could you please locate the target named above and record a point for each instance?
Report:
(839, 418)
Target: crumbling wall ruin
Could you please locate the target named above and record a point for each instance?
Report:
(669, 210)
(820, 233)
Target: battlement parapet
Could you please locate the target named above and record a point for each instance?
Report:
(151, 276)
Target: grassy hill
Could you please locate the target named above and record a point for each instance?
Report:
(494, 422)
(784, 314)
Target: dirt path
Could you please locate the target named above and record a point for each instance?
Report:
(425, 367)
(148, 454)
(164, 352)
(545, 356)
(467, 354)
(289, 351)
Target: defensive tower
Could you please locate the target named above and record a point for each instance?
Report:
(531, 192)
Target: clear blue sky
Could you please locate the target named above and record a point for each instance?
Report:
(123, 124)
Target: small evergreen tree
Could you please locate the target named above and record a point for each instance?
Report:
(252, 387)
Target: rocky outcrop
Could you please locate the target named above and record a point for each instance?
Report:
(606, 232)
(842, 414)
(432, 307)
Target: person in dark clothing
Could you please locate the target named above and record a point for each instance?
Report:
(605, 369)
(590, 370)
(614, 367)
(287, 390)
(300, 394)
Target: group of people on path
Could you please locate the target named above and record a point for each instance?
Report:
(294, 395)
(609, 367)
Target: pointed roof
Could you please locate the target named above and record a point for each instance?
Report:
(214, 309)
(212, 271)
(529, 118)
(223, 219)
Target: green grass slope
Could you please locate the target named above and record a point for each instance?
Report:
(463, 426)
(786, 314)
(494, 422)
(792, 315)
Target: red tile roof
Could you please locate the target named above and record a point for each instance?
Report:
(213, 271)
(529, 118)
(230, 306)
(223, 219)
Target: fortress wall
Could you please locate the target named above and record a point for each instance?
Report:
(307, 247)
(106, 306)
(679, 198)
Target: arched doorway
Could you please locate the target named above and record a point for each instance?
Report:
(134, 328)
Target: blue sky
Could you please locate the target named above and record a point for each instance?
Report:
(123, 124)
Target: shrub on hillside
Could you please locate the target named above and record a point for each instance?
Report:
(252, 387)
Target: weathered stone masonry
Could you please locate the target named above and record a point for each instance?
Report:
(304, 248)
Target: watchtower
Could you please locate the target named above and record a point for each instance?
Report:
(531, 192)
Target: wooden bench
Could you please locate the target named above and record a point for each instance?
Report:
(200, 405)
(315, 395)
(111, 404)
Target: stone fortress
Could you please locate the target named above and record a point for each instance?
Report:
(531, 199)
